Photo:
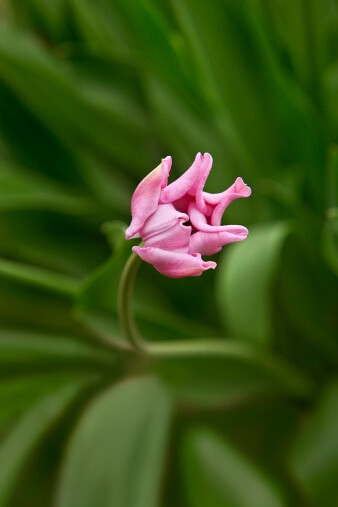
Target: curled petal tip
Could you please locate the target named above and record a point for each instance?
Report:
(199, 158)
(209, 265)
(165, 167)
(130, 232)
(241, 188)
(208, 156)
(166, 162)
(237, 230)
(242, 232)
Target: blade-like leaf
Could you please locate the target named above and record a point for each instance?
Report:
(244, 284)
(99, 24)
(47, 17)
(186, 132)
(231, 374)
(17, 394)
(17, 446)
(59, 242)
(37, 277)
(227, 73)
(303, 33)
(330, 240)
(99, 289)
(307, 302)
(314, 459)
(48, 90)
(153, 34)
(219, 476)
(330, 230)
(22, 347)
(330, 96)
(115, 456)
(22, 189)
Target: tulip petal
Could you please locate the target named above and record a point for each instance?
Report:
(182, 204)
(221, 201)
(200, 223)
(146, 196)
(237, 189)
(199, 220)
(165, 229)
(197, 189)
(184, 183)
(174, 264)
(175, 239)
(209, 243)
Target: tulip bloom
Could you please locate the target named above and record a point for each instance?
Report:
(180, 222)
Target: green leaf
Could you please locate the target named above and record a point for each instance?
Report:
(103, 326)
(96, 299)
(330, 95)
(186, 131)
(227, 73)
(314, 458)
(38, 277)
(49, 91)
(217, 475)
(17, 446)
(152, 33)
(99, 289)
(59, 242)
(109, 187)
(24, 347)
(330, 240)
(47, 17)
(31, 145)
(232, 374)
(307, 305)
(22, 189)
(299, 135)
(19, 393)
(116, 454)
(330, 229)
(99, 24)
(303, 35)
(244, 283)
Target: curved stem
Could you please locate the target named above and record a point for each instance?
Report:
(125, 303)
(165, 348)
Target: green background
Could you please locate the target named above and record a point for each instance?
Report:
(93, 93)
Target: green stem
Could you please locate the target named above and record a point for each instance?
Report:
(125, 303)
(165, 348)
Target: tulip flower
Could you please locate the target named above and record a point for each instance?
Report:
(180, 222)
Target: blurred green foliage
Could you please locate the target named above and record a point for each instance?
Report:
(93, 93)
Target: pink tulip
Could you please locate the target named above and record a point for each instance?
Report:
(180, 222)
